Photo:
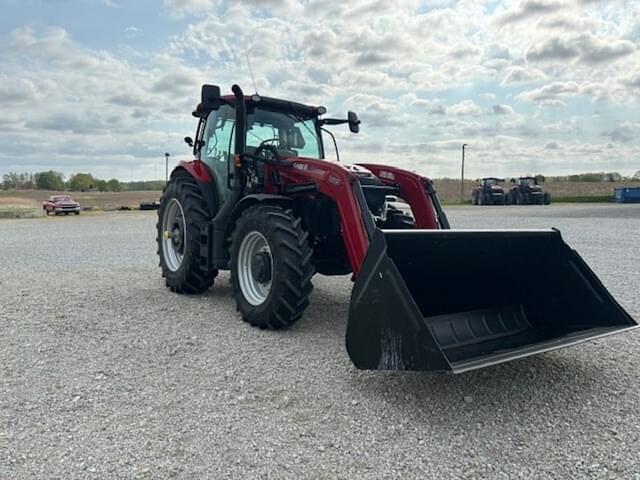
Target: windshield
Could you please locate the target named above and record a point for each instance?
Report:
(61, 199)
(491, 181)
(529, 182)
(293, 136)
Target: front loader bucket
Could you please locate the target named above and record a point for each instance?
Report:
(457, 300)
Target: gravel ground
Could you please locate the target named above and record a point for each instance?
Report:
(106, 374)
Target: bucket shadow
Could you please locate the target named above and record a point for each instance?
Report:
(552, 382)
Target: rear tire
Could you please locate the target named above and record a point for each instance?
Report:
(180, 259)
(547, 199)
(271, 267)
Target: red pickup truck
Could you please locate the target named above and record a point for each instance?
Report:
(61, 204)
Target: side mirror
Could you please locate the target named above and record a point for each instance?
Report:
(354, 122)
(188, 141)
(210, 97)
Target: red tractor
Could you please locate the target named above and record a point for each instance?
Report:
(488, 192)
(527, 191)
(261, 200)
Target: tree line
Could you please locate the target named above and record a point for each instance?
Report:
(84, 182)
(78, 182)
(595, 177)
(584, 177)
(589, 177)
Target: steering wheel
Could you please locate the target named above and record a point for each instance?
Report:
(274, 159)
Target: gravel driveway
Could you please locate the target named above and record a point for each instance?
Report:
(106, 374)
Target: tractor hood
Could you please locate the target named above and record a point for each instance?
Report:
(359, 171)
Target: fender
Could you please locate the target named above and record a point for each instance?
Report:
(341, 185)
(202, 174)
(254, 199)
(214, 248)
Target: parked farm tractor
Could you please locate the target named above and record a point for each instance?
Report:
(527, 191)
(261, 200)
(488, 192)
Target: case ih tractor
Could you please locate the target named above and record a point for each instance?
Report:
(488, 192)
(527, 191)
(261, 200)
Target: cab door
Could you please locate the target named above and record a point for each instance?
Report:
(217, 147)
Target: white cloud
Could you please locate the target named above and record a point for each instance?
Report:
(502, 109)
(624, 132)
(466, 107)
(451, 72)
(520, 74)
(131, 31)
(528, 9)
(585, 48)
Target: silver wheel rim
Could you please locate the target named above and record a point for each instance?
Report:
(174, 235)
(253, 290)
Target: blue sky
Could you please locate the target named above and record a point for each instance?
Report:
(533, 86)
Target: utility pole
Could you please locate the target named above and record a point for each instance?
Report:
(166, 167)
(462, 176)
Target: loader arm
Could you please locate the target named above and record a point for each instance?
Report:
(341, 186)
(417, 191)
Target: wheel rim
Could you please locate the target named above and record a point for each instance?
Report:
(174, 235)
(255, 268)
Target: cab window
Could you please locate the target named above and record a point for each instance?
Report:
(218, 142)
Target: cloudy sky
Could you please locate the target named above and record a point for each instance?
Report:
(534, 86)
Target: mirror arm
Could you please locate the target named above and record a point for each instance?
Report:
(332, 121)
(335, 144)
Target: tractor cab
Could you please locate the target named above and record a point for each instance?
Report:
(274, 130)
(491, 182)
(528, 181)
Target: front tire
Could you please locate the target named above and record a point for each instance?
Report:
(271, 267)
(182, 213)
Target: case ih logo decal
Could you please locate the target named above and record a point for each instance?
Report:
(334, 180)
